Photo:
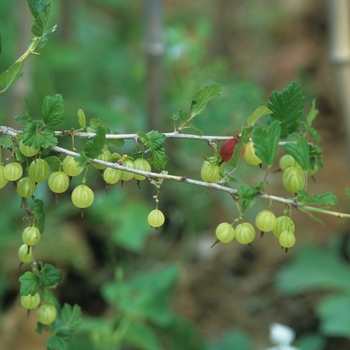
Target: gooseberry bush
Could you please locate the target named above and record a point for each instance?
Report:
(32, 154)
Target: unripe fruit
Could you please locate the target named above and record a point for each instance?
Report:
(210, 172)
(39, 170)
(71, 167)
(31, 235)
(105, 156)
(288, 161)
(13, 171)
(47, 314)
(58, 182)
(28, 151)
(265, 221)
(155, 218)
(141, 164)
(25, 187)
(125, 175)
(3, 180)
(30, 302)
(283, 223)
(250, 156)
(293, 179)
(225, 233)
(111, 175)
(227, 148)
(245, 233)
(25, 254)
(82, 196)
(286, 239)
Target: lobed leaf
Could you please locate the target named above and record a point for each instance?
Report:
(5, 141)
(71, 316)
(300, 151)
(40, 22)
(202, 97)
(94, 146)
(38, 7)
(48, 138)
(325, 199)
(49, 276)
(257, 114)
(287, 107)
(180, 114)
(52, 111)
(11, 75)
(29, 283)
(266, 141)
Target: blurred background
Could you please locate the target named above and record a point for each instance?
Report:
(132, 64)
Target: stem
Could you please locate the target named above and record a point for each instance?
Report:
(326, 212)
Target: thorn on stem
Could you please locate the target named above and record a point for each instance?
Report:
(215, 243)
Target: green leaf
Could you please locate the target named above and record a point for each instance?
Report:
(54, 163)
(39, 25)
(180, 114)
(94, 146)
(315, 269)
(202, 97)
(94, 124)
(300, 152)
(71, 316)
(142, 336)
(312, 132)
(266, 141)
(247, 194)
(334, 315)
(29, 283)
(10, 76)
(39, 214)
(52, 112)
(312, 114)
(45, 37)
(287, 107)
(49, 276)
(30, 136)
(146, 295)
(58, 341)
(5, 141)
(37, 7)
(115, 143)
(82, 159)
(326, 199)
(27, 117)
(154, 141)
(19, 156)
(81, 119)
(257, 114)
(48, 138)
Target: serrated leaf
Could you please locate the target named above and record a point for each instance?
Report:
(312, 114)
(246, 192)
(30, 135)
(300, 151)
(45, 37)
(266, 141)
(48, 138)
(5, 141)
(287, 107)
(71, 316)
(261, 185)
(49, 276)
(180, 114)
(115, 143)
(81, 119)
(20, 118)
(40, 22)
(10, 76)
(325, 199)
(202, 97)
(29, 283)
(52, 111)
(54, 163)
(37, 7)
(58, 341)
(82, 160)
(154, 141)
(257, 114)
(94, 123)
(94, 146)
